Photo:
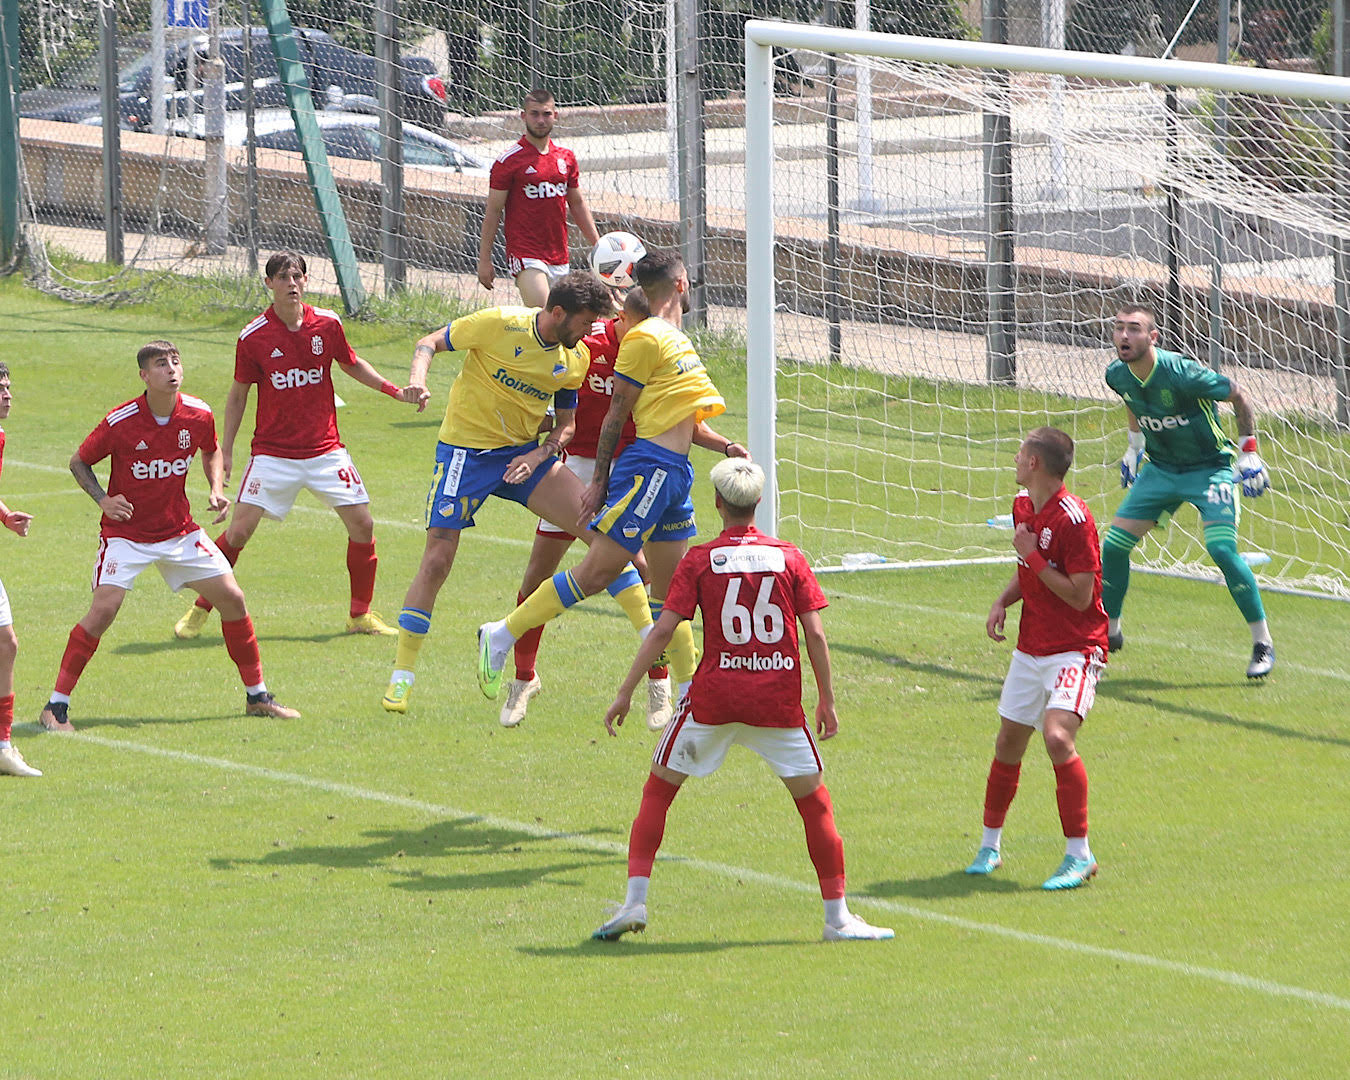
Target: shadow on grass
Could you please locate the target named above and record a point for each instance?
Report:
(630, 947)
(943, 886)
(214, 641)
(401, 853)
(1141, 692)
(961, 675)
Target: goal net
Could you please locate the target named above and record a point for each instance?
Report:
(946, 280)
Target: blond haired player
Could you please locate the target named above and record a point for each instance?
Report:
(753, 590)
(516, 362)
(645, 503)
(288, 352)
(147, 522)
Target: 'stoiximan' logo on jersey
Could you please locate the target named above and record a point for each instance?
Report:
(1163, 423)
(184, 438)
(316, 345)
(512, 383)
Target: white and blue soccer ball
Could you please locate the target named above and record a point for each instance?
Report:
(614, 257)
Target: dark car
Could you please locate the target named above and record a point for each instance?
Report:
(327, 65)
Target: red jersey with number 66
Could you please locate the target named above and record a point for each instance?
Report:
(1066, 536)
(150, 463)
(751, 588)
(293, 372)
(596, 393)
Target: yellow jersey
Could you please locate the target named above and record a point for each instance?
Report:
(661, 360)
(507, 380)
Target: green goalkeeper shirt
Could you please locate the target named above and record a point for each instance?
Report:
(1177, 410)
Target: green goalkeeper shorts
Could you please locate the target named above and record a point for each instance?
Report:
(1158, 492)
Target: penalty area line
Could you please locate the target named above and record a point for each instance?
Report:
(610, 847)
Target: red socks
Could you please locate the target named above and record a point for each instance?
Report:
(6, 715)
(80, 646)
(1071, 792)
(650, 825)
(527, 651)
(361, 563)
(243, 649)
(823, 842)
(999, 791)
(230, 553)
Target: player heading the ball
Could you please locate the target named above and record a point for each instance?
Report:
(147, 521)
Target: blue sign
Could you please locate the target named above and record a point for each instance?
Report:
(188, 13)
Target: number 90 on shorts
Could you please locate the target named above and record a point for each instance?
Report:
(1066, 681)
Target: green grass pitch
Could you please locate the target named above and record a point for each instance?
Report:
(188, 892)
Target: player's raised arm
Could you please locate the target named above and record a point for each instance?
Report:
(362, 371)
(709, 439)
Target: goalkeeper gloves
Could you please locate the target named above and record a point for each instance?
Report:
(1133, 459)
(1251, 470)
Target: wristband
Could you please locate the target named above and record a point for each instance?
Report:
(1248, 444)
(1035, 562)
(389, 388)
(726, 450)
(552, 447)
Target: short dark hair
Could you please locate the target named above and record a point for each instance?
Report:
(1140, 309)
(657, 270)
(285, 260)
(636, 305)
(580, 291)
(1053, 447)
(153, 350)
(540, 95)
(4, 370)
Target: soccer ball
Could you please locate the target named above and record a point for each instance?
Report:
(613, 257)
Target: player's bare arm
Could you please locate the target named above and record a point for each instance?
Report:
(652, 647)
(366, 375)
(818, 652)
(492, 219)
(214, 468)
(620, 408)
(998, 613)
(114, 507)
(15, 520)
(423, 351)
(709, 439)
(1243, 411)
(1074, 589)
(235, 402)
(521, 468)
(581, 215)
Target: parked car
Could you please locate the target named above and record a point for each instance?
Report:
(346, 134)
(327, 64)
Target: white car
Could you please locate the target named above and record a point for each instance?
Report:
(346, 134)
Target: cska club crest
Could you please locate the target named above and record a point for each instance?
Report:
(1045, 538)
(316, 345)
(184, 438)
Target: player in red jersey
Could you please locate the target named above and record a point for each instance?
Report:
(535, 184)
(11, 761)
(752, 590)
(288, 352)
(147, 522)
(551, 543)
(1061, 650)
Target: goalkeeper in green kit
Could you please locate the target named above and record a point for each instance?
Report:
(1172, 404)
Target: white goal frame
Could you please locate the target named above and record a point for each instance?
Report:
(761, 37)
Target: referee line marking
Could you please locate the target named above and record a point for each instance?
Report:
(611, 847)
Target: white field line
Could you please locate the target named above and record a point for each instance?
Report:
(611, 847)
(1174, 643)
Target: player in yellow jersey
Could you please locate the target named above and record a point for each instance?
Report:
(517, 361)
(643, 503)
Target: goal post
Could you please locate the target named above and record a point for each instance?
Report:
(896, 450)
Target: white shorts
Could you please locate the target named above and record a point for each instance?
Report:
(181, 561)
(1066, 680)
(583, 468)
(6, 616)
(515, 264)
(699, 749)
(273, 482)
